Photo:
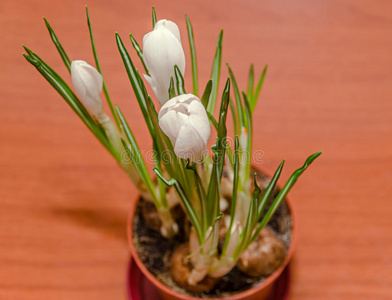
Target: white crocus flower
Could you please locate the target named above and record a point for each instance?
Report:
(87, 82)
(184, 120)
(162, 50)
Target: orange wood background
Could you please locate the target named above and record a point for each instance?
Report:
(64, 202)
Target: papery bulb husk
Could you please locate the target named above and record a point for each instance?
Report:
(200, 261)
(220, 267)
(155, 219)
(200, 270)
(265, 255)
(224, 264)
(181, 268)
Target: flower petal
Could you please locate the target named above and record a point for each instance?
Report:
(171, 26)
(87, 82)
(162, 50)
(189, 144)
(199, 120)
(171, 124)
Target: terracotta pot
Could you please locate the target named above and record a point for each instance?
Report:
(259, 292)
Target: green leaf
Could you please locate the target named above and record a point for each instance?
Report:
(59, 47)
(234, 117)
(251, 82)
(193, 55)
(202, 195)
(172, 163)
(249, 127)
(212, 120)
(154, 17)
(253, 209)
(240, 108)
(139, 52)
(215, 74)
(65, 91)
(180, 81)
(250, 221)
(228, 149)
(213, 196)
(206, 95)
(172, 91)
(98, 65)
(137, 85)
(236, 166)
(269, 190)
(222, 130)
(283, 193)
(190, 211)
(255, 96)
(137, 158)
(161, 185)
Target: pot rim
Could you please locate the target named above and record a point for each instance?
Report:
(161, 286)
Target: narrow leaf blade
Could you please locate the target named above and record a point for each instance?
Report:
(193, 55)
(59, 47)
(215, 74)
(256, 94)
(98, 65)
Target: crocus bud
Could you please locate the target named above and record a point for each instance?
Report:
(87, 82)
(184, 120)
(162, 50)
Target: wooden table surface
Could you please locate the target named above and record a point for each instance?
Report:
(64, 202)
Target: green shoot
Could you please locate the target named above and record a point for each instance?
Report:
(251, 82)
(193, 55)
(206, 95)
(180, 81)
(139, 52)
(172, 91)
(65, 91)
(240, 109)
(154, 17)
(98, 65)
(133, 77)
(190, 210)
(137, 159)
(283, 193)
(255, 95)
(233, 195)
(59, 47)
(215, 74)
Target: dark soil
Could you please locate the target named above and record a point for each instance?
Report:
(155, 251)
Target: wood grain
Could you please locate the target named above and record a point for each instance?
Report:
(64, 202)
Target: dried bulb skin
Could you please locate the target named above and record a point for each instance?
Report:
(181, 269)
(153, 218)
(265, 255)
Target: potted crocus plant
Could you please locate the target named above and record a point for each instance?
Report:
(206, 224)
